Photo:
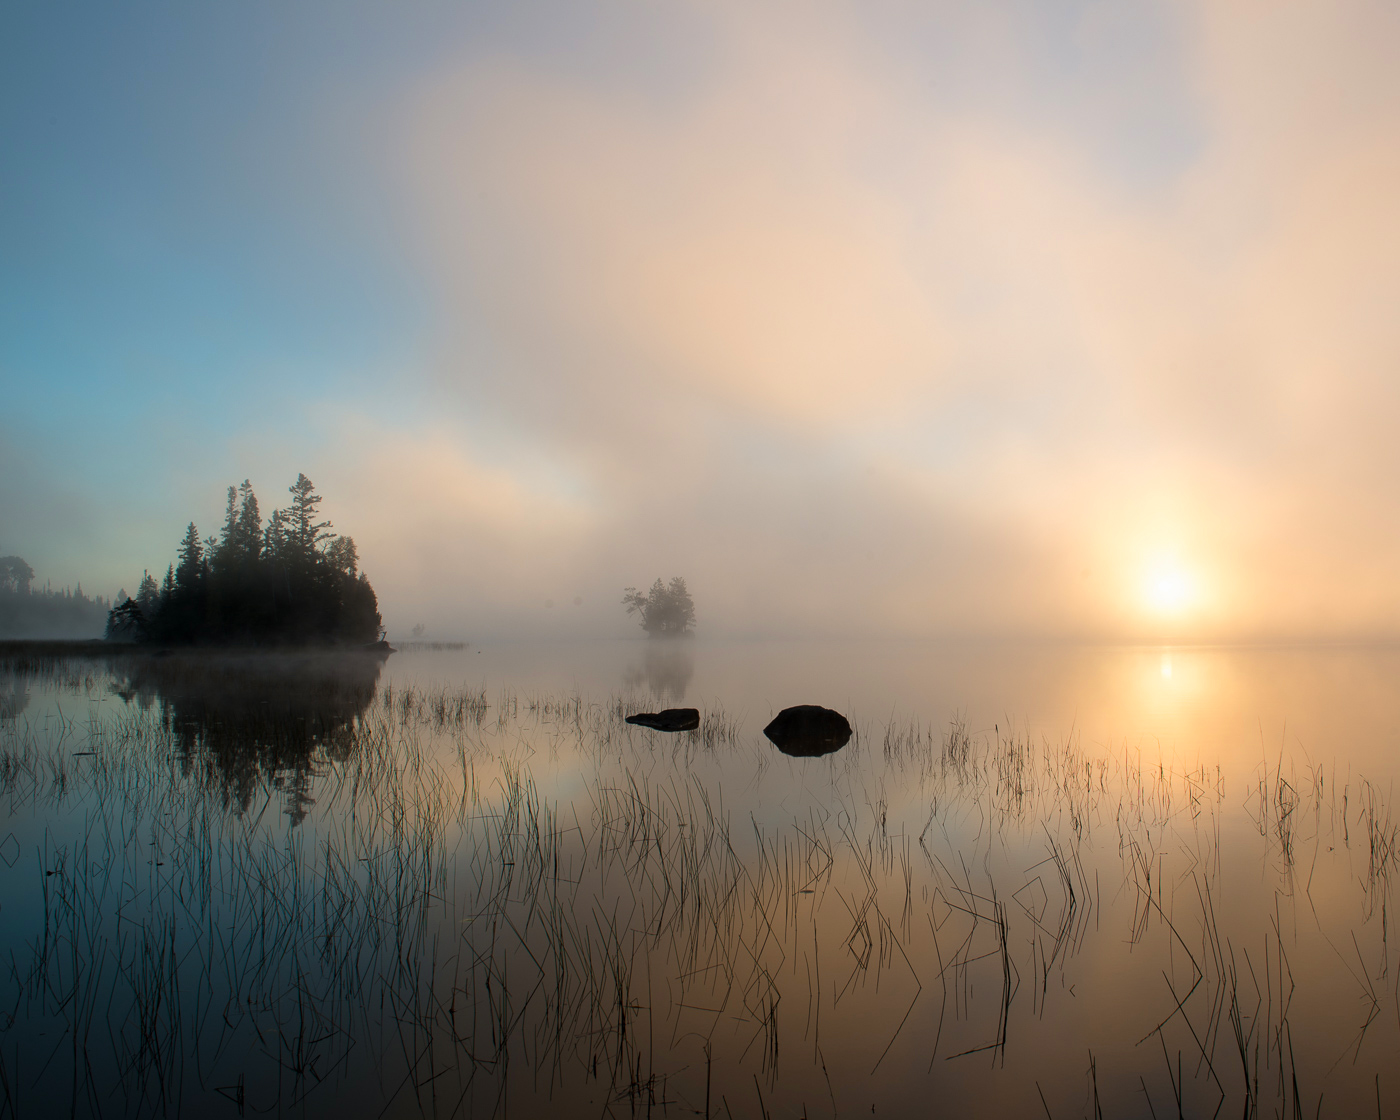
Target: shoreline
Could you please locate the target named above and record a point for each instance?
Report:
(98, 648)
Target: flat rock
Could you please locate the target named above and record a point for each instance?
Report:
(808, 731)
(672, 719)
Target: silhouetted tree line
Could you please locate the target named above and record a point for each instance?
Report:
(290, 581)
(665, 610)
(45, 613)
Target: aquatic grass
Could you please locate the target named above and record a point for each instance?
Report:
(645, 943)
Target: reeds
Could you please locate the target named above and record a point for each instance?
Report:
(450, 903)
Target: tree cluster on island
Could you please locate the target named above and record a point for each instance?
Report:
(666, 610)
(27, 612)
(290, 581)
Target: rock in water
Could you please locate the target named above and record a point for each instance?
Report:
(672, 719)
(808, 731)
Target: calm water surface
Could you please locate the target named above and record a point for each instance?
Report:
(1184, 703)
(1040, 879)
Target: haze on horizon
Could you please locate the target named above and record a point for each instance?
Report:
(1035, 318)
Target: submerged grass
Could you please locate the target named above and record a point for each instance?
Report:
(396, 918)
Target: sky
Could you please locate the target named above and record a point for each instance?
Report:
(1067, 319)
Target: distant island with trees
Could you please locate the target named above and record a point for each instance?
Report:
(666, 610)
(27, 612)
(289, 582)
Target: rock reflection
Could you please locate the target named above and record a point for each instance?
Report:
(665, 672)
(247, 722)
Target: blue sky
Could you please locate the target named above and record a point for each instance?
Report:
(180, 263)
(872, 317)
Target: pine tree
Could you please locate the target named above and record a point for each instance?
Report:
(306, 532)
(187, 575)
(276, 538)
(224, 557)
(148, 595)
(249, 523)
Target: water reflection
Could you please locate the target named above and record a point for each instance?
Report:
(246, 722)
(449, 839)
(666, 670)
(14, 697)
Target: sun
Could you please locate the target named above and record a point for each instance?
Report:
(1169, 590)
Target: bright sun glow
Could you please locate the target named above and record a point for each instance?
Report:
(1170, 591)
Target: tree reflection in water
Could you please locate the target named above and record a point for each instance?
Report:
(666, 669)
(14, 697)
(249, 721)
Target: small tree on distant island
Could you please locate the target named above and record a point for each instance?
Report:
(15, 575)
(45, 613)
(666, 611)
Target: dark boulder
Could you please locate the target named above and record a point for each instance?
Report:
(672, 719)
(808, 731)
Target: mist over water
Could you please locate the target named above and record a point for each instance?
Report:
(1179, 703)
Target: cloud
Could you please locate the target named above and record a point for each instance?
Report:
(869, 353)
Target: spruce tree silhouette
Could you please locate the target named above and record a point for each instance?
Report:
(290, 582)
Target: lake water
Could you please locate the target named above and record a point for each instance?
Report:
(1187, 702)
(1040, 879)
